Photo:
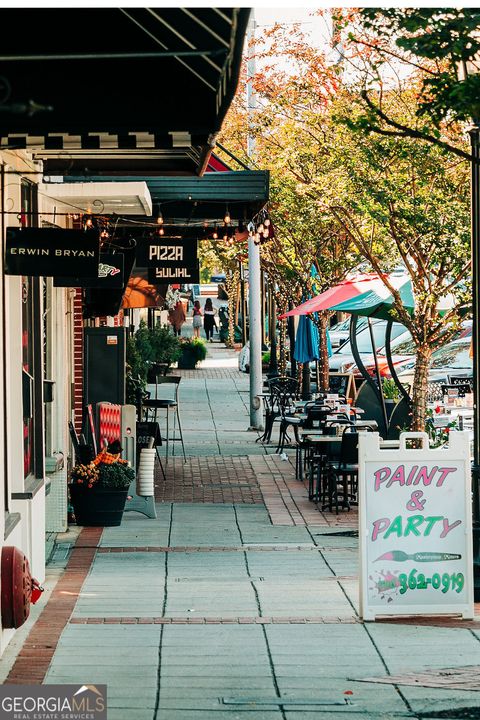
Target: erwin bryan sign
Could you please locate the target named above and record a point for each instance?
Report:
(415, 527)
(50, 252)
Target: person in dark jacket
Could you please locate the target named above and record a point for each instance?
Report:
(209, 319)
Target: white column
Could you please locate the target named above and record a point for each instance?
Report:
(255, 335)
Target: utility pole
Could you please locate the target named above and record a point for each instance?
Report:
(254, 296)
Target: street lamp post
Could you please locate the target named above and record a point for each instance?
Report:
(475, 238)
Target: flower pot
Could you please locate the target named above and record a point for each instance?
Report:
(390, 405)
(187, 361)
(97, 507)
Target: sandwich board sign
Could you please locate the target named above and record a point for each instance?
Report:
(415, 527)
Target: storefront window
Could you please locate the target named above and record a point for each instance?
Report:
(29, 308)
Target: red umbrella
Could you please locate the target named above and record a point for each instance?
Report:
(346, 290)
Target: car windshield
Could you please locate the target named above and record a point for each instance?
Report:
(453, 355)
(363, 338)
(344, 326)
(406, 346)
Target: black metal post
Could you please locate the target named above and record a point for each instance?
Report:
(475, 215)
(273, 366)
(306, 391)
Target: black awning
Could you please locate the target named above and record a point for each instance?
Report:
(106, 78)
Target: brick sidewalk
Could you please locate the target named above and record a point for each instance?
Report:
(250, 479)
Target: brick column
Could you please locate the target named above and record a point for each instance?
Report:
(78, 359)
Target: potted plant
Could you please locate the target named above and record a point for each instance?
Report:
(391, 393)
(266, 360)
(193, 351)
(98, 490)
(149, 352)
(166, 350)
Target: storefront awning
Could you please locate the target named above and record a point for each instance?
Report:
(104, 83)
(129, 198)
(194, 199)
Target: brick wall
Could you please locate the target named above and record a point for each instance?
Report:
(78, 359)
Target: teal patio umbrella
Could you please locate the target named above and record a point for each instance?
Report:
(306, 341)
(378, 303)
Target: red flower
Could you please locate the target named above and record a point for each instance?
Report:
(438, 409)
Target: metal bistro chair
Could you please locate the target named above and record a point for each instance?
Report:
(318, 458)
(315, 416)
(344, 473)
(278, 389)
(153, 405)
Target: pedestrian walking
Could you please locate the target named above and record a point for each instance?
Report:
(209, 319)
(197, 318)
(176, 317)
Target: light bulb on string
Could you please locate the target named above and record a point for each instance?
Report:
(227, 218)
(215, 233)
(161, 231)
(159, 217)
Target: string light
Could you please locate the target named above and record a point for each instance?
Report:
(227, 218)
(160, 217)
(161, 231)
(215, 233)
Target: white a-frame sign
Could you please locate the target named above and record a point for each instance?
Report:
(415, 531)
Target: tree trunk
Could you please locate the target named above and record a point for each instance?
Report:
(323, 363)
(231, 284)
(419, 391)
(282, 360)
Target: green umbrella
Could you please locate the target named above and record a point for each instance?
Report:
(378, 303)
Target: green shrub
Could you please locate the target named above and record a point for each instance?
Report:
(145, 349)
(193, 350)
(116, 476)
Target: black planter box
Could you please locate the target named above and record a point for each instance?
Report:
(97, 507)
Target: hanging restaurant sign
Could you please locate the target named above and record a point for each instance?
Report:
(110, 274)
(166, 252)
(182, 273)
(47, 252)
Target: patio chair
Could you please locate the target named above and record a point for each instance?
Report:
(282, 391)
(343, 473)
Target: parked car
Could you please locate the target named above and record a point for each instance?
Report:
(340, 332)
(403, 352)
(342, 360)
(451, 360)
